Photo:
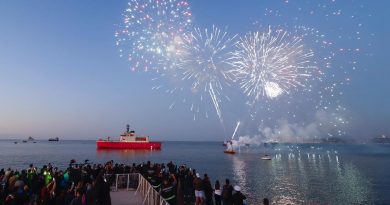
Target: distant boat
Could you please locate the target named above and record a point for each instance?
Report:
(30, 138)
(229, 149)
(271, 143)
(229, 152)
(15, 142)
(24, 141)
(381, 139)
(54, 139)
(266, 157)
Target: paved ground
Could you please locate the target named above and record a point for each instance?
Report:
(123, 197)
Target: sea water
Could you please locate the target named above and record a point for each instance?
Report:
(297, 173)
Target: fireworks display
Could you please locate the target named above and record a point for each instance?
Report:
(280, 67)
(149, 30)
(270, 64)
(202, 64)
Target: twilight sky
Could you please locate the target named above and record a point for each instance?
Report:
(61, 74)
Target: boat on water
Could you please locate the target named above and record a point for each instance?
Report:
(266, 157)
(271, 143)
(229, 149)
(229, 152)
(128, 140)
(54, 139)
(381, 139)
(30, 138)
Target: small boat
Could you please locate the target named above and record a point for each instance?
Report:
(30, 138)
(229, 149)
(24, 141)
(54, 139)
(15, 142)
(266, 157)
(229, 152)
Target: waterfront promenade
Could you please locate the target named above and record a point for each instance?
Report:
(125, 197)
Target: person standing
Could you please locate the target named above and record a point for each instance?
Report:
(208, 190)
(227, 193)
(217, 193)
(199, 193)
(238, 197)
(188, 188)
(168, 191)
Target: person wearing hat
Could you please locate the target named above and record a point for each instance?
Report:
(199, 190)
(238, 197)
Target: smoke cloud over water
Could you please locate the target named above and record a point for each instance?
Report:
(326, 124)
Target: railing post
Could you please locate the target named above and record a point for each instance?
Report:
(128, 181)
(138, 186)
(116, 182)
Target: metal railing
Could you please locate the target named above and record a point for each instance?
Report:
(151, 196)
(142, 186)
(125, 181)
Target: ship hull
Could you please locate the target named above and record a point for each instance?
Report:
(127, 145)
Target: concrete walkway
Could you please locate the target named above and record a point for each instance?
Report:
(123, 197)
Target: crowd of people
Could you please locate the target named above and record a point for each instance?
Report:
(79, 184)
(183, 185)
(89, 184)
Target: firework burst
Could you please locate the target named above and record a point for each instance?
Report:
(201, 65)
(149, 30)
(270, 64)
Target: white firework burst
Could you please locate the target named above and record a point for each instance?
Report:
(201, 65)
(270, 64)
(148, 31)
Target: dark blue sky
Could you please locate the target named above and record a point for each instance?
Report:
(61, 74)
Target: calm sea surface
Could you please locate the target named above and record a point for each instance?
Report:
(297, 174)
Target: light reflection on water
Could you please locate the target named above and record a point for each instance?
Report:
(295, 177)
(239, 171)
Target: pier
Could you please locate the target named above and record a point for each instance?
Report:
(134, 189)
(125, 197)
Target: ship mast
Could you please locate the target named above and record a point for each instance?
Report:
(128, 128)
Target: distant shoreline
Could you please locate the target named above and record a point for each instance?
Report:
(187, 141)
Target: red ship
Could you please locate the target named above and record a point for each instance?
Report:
(128, 140)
